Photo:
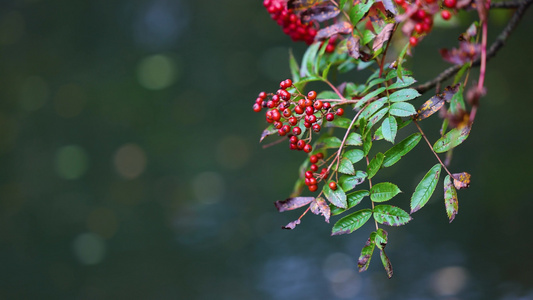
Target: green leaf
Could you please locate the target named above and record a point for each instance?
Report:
(375, 165)
(354, 155)
(425, 188)
(376, 118)
(450, 198)
(351, 222)
(295, 69)
(372, 108)
(389, 128)
(309, 61)
(381, 238)
(339, 122)
(327, 95)
(374, 82)
(384, 191)
(353, 199)
(404, 95)
(367, 37)
(402, 109)
(336, 197)
(350, 182)
(457, 102)
(386, 263)
(358, 11)
(366, 253)
(346, 167)
(391, 215)
(401, 83)
(372, 94)
(367, 144)
(394, 154)
(341, 4)
(354, 139)
(451, 139)
(332, 142)
(326, 71)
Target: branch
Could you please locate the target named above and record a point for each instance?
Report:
(494, 48)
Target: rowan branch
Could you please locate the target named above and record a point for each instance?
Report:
(521, 7)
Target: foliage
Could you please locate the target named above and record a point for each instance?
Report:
(338, 127)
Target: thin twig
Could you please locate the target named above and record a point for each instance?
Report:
(494, 48)
(431, 147)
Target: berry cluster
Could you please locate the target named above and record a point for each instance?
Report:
(292, 25)
(419, 16)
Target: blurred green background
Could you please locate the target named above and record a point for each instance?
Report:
(130, 168)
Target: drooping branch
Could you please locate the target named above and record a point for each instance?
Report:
(493, 49)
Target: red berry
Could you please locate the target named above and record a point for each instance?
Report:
(339, 112)
(311, 119)
(262, 95)
(281, 132)
(308, 148)
(313, 188)
(287, 113)
(312, 181)
(307, 125)
(293, 147)
(327, 105)
(256, 107)
(296, 131)
(275, 98)
(309, 110)
(300, 144)
(316, 128)
(308, 174)
(284, 94)
(313, 159)
(286, 128)
(288, 82)
(421, 14)
(330, 48)
(278, 124)
(313, 168)
(311, 95)
(333, 185)
(330, 117)
(419, 28)
(308, 102)
(450, 3)
(400, 2)
(446, 15)
(293, 139)
(299, 110)
(293, 121)
(318, 105)
(320, 155)
(413, 41)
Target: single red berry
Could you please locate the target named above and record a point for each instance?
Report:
(296, 131)
(313, 188)
(307, 125)
(311, 119)
(286, 128)
(327, 105)
(281, 132)
(421, 14)
(278, 124)
(257, 107)
(293, 139)
(450, 3)
(298, 109)
(300, 144)
(311, 95)
(419, 28)
(301, 102)
(275, 98)
(308, 174)
(293, 121)
(446, 15)
(333, 185)
(312, 181)
(430, 1)
(293, 147)
(400, 2)
(262, 95)
(288, 83)
(330, 48)
(339, 112)
(330, 117)
(308, 148)
(316, 127)
(313, 159)
(284, 94)
(309, 110)
(320, 155)
(308, 102)
(314, 168)
(318, 104)
(413, 41)
(276, 115)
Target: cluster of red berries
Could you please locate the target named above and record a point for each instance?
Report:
(292, 25)
(311, 180)
(285, 111)
(421, 14)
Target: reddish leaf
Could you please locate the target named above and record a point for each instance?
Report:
(382, 37)
(435, 103)
(320, 13)
(324, 33)
(292, 224)
(467, 52)
(301, 5)
(292, 203)
(319, 206)
(461, 180)
(353, 46)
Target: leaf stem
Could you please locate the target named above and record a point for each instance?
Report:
(370, 185)
(431, 147)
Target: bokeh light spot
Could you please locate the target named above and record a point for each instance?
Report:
(449, 281)
(130, 161)
(208, 187)
(71, 162)
(233, 152)
(33, 93)
(69, 100)
(89, 248)
(157, 72)
(344, 282)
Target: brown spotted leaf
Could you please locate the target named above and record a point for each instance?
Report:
(435, 103)
(319, 206)
(467, 52)
(292, 203)
(452, 139)
(301, 5)
(461, 180)
(339, 28)
(450, 199)
(366, 253)
(382, 37)
(352, 43)
(320, 13)
(270, 130)
(292, 224)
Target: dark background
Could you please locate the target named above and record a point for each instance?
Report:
(130, 168)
